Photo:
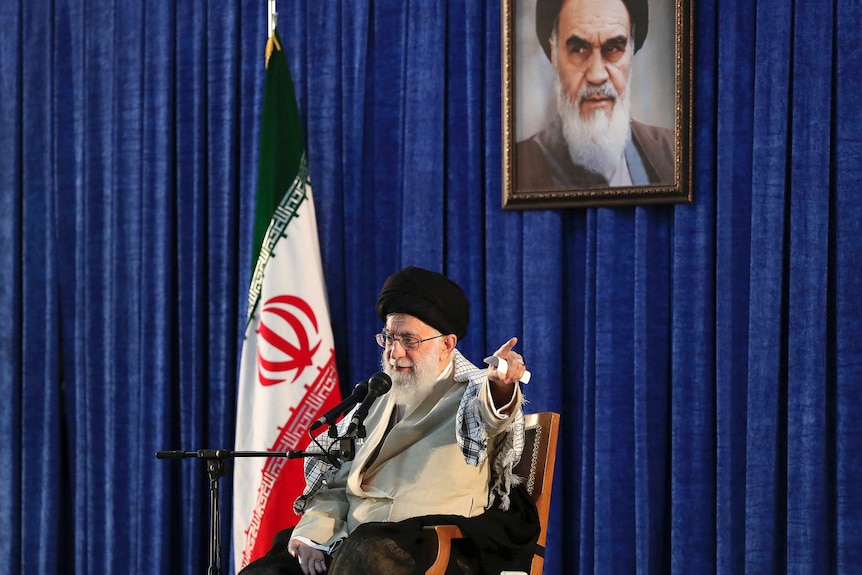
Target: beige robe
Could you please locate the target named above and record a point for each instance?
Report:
(419, 469)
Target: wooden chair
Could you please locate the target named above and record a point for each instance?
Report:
(537, 469)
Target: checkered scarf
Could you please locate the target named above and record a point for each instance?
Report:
(469, 430)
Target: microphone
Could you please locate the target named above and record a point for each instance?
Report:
(360, 390)
(378, 384)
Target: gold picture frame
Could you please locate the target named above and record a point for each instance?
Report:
(537, 174)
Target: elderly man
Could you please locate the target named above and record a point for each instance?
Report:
(440, 447)
(592, 141)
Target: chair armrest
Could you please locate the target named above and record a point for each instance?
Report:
(441, 536)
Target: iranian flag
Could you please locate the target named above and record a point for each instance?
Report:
(287, 373)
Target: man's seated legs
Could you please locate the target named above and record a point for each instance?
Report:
(396, 549)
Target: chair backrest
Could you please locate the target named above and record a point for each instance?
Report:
(537, 469)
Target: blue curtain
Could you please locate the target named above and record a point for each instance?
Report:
(705, 358)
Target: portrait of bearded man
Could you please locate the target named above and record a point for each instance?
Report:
(591, 139)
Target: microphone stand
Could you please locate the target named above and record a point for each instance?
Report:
(215, 469)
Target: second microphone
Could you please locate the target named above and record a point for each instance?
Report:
(378, 384)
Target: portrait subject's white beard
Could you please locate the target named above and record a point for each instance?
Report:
(597, 143)
(410, 389)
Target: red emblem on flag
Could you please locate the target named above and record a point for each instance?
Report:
(284, 332)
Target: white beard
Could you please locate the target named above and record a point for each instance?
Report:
(409, 389)
(597, 143)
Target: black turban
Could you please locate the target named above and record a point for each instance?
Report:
(427, 295)
(548, 10)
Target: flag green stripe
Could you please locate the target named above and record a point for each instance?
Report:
(281, 163)
(276, 230)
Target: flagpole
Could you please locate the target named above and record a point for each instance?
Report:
(271, 17)
(288, 317)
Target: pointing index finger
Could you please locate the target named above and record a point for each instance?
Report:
(504, 349)
(498, 360)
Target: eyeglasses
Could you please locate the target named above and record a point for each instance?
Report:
(408, 342)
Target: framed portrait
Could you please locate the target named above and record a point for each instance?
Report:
(597, 102)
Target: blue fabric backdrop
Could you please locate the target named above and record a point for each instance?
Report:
(706, 358)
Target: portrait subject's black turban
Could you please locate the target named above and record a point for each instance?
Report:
(548, 10)
(427, 295)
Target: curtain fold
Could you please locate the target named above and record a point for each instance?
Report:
(704, 357)
(845, 283)
(810, 391)
(733, 256)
